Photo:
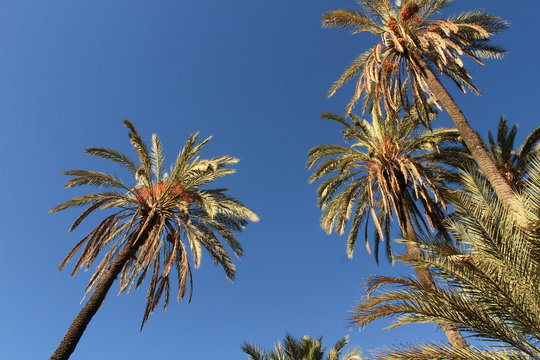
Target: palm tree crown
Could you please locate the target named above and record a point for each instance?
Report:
(152, 225)
(389, 163)
(305, 349)
(409, 40)
(171, 210)
(513, 163)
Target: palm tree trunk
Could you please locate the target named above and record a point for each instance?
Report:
(476, 147)
(424, 275)
(79, 324)
(76, 330)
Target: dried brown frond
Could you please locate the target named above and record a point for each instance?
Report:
(403, 43)
(417, 20)
(393, 25)
(408, 12)
(389, 66)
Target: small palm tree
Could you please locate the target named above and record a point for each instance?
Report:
(390, 168)
(487, 286)
(305, 349)
(513, 163)
(411, 46)
(153, 224)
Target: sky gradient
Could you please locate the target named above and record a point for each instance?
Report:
(251, 73)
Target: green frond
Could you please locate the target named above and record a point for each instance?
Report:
(430, 7)
(460, 79)
(94, 178)
(484, 51)
(351, 71)
(113, 155)
(199, 178)
(436, 351)
(335, 117)
(230, 209)
(224, 227)
(333, 158)
(145, 171)
(188, 152)
(481, 18)
(335, 352)
(87, 212)
(354, 20)
(89, 199)
(194, 237)
(157, 157)
(359, 214)
(380, 8)
(531, 145)
(254, 352)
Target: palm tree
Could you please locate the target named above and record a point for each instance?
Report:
(513, 163)
(411, 46)
(152, 224)
(305, 349)
(390, 168)
(488, 286)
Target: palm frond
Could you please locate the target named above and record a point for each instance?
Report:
(157, 157)
(354, 20)
(145, 169)
(93, 178)
(436, 351)
(113, 155)
(352, 70)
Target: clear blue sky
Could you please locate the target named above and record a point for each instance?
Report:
(252, 73)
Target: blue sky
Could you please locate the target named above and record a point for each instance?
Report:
(252, 73)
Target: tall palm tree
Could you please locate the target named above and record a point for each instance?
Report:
(152, 224)
(489, 286)
(411, 46)
(305, 349)
(390, 168)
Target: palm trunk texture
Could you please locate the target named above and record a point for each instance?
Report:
(78, 326)
(477, 149)
(76, 330)
(424, 276)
